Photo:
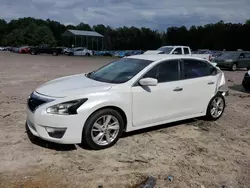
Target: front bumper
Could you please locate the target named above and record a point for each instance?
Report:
(62, 129)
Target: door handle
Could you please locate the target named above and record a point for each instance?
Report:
(210, 83)
(178, 89)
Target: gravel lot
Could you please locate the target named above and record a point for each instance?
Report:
(195, 152)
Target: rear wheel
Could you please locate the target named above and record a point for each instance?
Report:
(103, 129)
(234, 67)
(216, 107)
(33, 52)
(87, 54)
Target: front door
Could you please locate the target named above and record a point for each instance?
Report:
(155, 104)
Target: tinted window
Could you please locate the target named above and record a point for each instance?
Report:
(165, 49)
(196, 68)
(177, 51)
(186, 51)
(246, 55)
(164, 72)
(119, 71)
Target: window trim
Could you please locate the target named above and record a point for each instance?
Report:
(136, 83)
(183, 68)
(176, 49)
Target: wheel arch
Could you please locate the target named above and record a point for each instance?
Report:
(119, 110)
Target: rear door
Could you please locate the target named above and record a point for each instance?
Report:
(199, 82)
(186, 51)
(244, 60)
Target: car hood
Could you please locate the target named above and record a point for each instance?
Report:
(72, 85)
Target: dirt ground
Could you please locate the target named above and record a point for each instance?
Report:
(195, 153)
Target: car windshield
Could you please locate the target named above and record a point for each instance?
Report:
(229, 55)
(165, 49)
(119, 71)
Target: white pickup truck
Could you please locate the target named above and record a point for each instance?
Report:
(178, 50)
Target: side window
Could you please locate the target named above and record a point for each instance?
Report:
(246, 55)
(165, 72)
(168, 71)
(79, 50)
(177, 51)
(186, 51)
(152, 73)
(196, 68)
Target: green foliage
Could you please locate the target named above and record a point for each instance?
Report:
(218, 36)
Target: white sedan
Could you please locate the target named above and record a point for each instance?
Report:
(128, 94)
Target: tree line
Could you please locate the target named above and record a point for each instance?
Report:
(217, 36)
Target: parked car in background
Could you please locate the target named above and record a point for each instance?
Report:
(128, 94)
(178, 50)
(246, 81)
(45, 50)
(233, 60)
(24, 50)
(79, 51)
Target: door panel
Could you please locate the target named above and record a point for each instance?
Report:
(200, 84)
(152, 104)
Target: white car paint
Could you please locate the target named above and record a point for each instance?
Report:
(82, 52)
(183, 50)
(142, 108)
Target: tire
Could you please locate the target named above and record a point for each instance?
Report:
(246, 87)
(209, 115)
(87, 54)
(90, 131)
(234, 67)
(70, 54)
(33, 52)
(55, 54)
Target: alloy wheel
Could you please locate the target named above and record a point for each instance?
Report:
(105, 130)
(217, 107)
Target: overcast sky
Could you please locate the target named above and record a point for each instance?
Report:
(156, 14)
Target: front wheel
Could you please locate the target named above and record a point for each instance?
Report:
(234, 67)
(216, 107)
(103, 129)
(55, 54)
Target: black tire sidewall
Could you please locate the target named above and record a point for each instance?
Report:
(86, 134)
(208, 114)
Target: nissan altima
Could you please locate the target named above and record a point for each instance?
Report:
(128, 94)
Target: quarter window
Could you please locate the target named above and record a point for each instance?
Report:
(196, 68)
(165, 72)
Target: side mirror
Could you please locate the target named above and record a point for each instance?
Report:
(241, 57)
(148, 82)
(175, 52)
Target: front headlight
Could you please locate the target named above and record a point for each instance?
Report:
(66, 108)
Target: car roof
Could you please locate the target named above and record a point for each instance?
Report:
(162, 57)
(176, 46)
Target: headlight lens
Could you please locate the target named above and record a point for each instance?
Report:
(66, 108)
